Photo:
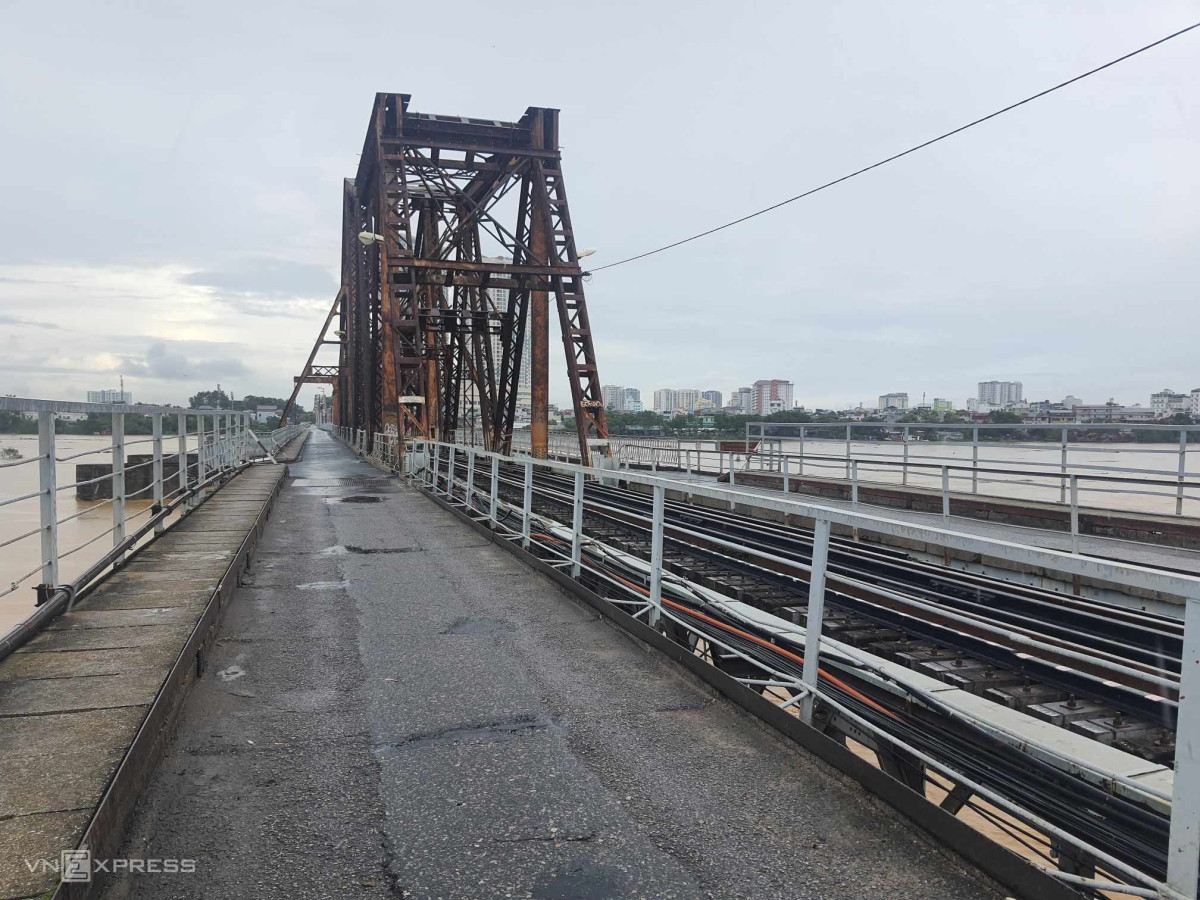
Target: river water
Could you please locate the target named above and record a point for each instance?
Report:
(19, 558)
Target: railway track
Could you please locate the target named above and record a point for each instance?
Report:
(1103, 671)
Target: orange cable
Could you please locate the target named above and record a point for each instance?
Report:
(795, 657)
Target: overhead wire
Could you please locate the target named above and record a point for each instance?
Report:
(883, 162)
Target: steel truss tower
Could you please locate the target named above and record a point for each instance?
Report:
(436, 200)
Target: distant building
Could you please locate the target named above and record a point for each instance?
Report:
(500, 299)
(266, 413)
(1195, 402)
(1000, 393)
(771, 396)
(1167, 403)
(943, 406)
(633, 405)
(619, 398)
(893, 401)
(713, 397)
(1071, 401)
(114, 396)
(1113, 412)
(664, 400)
(743, 399)
(686, 399)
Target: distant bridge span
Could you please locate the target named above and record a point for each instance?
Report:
(430, 326)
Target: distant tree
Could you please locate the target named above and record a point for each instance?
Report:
(217, 399)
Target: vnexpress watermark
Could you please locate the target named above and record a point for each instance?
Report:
(79, 867)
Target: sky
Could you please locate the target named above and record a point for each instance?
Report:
(171, 182)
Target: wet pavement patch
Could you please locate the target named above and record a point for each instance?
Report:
(362, 498)
(477, 626)
(351, 548)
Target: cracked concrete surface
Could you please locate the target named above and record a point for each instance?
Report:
(439, 721)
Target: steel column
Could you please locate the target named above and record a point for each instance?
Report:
(577, 525)
(816, 612)
(656, 555)
(1183, 847)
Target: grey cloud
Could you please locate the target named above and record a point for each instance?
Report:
(27, 323)
(168, 362)
(267, 277)
(269, 287)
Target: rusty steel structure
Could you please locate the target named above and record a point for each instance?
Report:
(456, 234)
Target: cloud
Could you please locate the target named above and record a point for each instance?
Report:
(265, 286)
(168, 362)
(27, 323)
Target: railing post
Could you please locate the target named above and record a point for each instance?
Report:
(494, 491)
(48, 484)
(688, 458)
(1183, 436)
(945, 492)
(470, 477)
(975, 460)
(847, 451)
(1075, 514)
(182, 481)
(656, 555)
(1183, 842)
(118, 479)
(450, 475)
(748, 437)
(787, 464)
(157, 468)
(201, 473)
(854, 483)
(1062, 481)
(527, 503)
(816, 612)
(904, 468)
(577, 525)
(437, 463)
(801, 451)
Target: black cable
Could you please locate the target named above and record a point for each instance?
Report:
(884, 162)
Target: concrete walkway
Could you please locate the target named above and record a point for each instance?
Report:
(397, 707)
(73, 699)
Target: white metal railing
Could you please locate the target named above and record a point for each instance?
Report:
(1082, 487)
(1047, 480)
(433, 465)
(207, 444)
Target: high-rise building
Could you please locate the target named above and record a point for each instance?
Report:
(713, 397)
(664, 400)
(499, 298)
(621, 398)
(114, 396)
(743, 399)
(942, 405)
(771, 396)
(893, 401)
(1000, 393)
(685, 399)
